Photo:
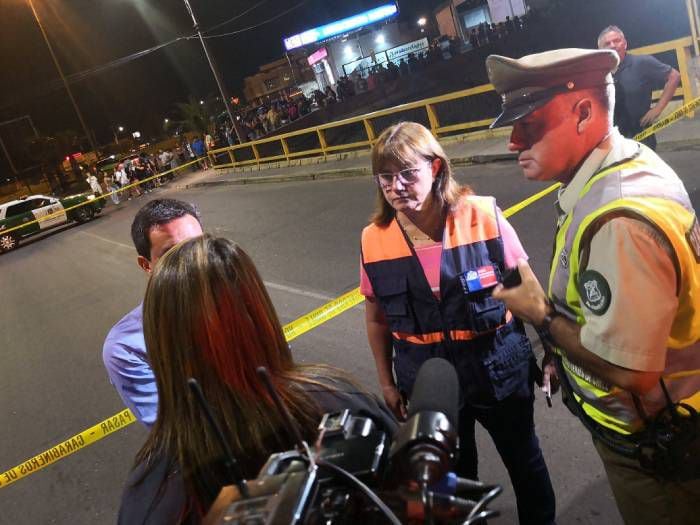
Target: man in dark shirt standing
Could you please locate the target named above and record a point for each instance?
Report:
(635, 79)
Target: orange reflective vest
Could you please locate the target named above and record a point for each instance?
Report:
(465, 325)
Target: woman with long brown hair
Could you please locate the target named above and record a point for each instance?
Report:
(207, 315)
(430, 258)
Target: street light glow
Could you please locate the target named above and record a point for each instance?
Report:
(422, 21)
(121, 128)
(201, 102)
(167, 120)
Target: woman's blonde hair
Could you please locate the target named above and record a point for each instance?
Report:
(400, 145)
(207, 315)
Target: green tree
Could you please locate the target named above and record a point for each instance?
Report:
(194, 116)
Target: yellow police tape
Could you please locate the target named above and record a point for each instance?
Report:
(67, 447)
(669, 119)
(291, 331)
(126, 417)
(103, 196)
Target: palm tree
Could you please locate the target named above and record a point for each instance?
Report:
(194, 115)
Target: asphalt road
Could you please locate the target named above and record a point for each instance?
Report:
(61, 294)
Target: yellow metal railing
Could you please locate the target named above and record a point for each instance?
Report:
(681, 46)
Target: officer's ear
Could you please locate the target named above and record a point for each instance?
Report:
(584, 114)
(144, 263)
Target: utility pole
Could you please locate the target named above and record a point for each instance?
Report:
(214, 71)
(86, 131)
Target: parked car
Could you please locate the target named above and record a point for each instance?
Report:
(40, 213)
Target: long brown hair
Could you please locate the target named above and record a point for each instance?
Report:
(207, 315)
(403, 144)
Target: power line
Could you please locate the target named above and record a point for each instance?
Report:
(56, 84)
(272, 19)
(217, 26)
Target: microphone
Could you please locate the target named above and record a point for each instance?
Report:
(425, 445)
(230, 463)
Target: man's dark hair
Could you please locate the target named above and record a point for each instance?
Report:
(155, 213)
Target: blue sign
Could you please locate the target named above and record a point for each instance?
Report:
(340, 26)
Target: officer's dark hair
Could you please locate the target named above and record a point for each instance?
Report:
(155, 213)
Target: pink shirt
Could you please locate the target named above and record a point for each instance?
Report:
(429, 258)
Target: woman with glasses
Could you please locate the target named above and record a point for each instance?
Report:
(430, 258)
(207, 316)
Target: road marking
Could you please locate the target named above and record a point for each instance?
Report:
(298, 291)
(110, 241)
(269, 284)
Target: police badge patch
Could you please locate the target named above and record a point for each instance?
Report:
(594, 291)
(693, 236)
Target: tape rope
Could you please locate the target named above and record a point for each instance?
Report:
(292, 330)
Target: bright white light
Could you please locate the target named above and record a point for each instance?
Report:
(121, 128)
(136, 134)
(167, 120)
(201, 102)
(348, 50)
(379, 39)
(422, 21)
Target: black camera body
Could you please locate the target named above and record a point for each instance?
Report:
(288, 490)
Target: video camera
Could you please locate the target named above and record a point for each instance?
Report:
(356, 473)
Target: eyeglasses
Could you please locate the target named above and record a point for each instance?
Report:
(406, 176)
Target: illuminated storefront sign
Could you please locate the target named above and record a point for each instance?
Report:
(317, 56)
(412, 47)
(341, 26)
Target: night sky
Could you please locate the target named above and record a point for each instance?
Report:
(139, 94)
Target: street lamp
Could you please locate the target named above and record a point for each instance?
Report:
(201, 102)
(422, 21)
(166, 120)
(119, 129)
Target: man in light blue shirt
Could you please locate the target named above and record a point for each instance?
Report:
(157, 227)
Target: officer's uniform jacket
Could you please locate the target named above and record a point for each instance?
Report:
(641, 186)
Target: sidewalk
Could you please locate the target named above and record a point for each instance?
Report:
(480, 147)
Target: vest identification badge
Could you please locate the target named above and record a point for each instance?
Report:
(564, 259)
(693, 236)
(478, 279)
(594, 291)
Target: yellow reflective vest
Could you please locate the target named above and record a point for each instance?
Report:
(642, 187)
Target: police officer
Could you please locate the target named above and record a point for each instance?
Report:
(623, 308)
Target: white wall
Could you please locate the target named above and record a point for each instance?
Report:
(501, 8)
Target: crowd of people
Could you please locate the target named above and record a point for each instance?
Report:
(138, 174)
(486, 33)
(260, 120)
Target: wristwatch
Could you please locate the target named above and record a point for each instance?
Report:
(543, 328)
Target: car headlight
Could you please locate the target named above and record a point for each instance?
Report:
(91, 197)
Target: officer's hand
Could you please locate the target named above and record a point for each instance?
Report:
(393, 400)
(550, 378)
(650, 116)
(527, 300)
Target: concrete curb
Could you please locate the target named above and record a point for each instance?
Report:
(343, 173)
(321, 175)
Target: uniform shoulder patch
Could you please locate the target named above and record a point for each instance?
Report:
(594, 291)
(693, 236)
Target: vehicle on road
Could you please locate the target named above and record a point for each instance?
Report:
(41, 212)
